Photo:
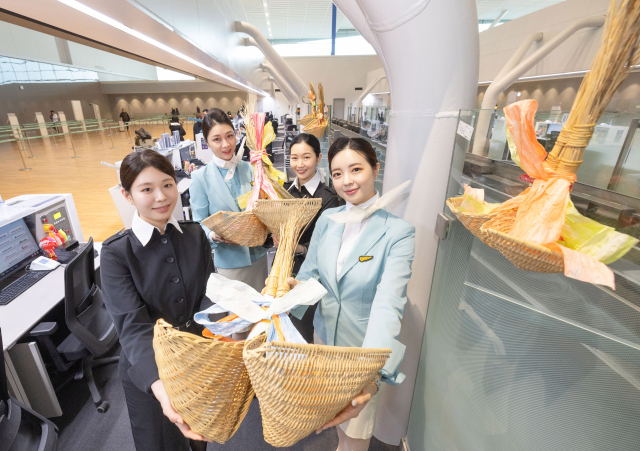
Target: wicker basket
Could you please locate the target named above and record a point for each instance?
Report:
(306, 119)
(524, 255)
(301, 387)
(316, 128)
(205, 379)
(242, 228)
(472, 221)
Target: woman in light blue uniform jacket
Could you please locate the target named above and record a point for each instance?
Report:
(217, 188)
(365, 265)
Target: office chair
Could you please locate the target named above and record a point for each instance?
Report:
(20, 427)
(93, 333)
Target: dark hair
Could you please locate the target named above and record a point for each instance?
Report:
(198, 115)
(362, 146)
(175, 118)
(308, 139)
(214, 117)
(136, 162)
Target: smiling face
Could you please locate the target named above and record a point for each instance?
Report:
(304, 161)
(155, 195)
(353, 177)
(222, 141)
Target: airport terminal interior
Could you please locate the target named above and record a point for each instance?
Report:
(443, 197)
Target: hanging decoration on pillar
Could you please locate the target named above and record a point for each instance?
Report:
(316, 122)
(540, 229)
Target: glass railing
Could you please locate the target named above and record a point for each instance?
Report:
(611, 160)
(522, 360)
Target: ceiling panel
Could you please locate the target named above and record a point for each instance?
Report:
(311, 19)
(293, 19)
(490, 9)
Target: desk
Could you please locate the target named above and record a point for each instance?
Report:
(19, 317)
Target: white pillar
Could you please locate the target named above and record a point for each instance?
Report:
(284, 87)
(430, 53)
(508, 78)
(273, 57)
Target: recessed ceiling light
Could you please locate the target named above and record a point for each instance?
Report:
(135, 33)
(265, 4)
(266, 14)
(268, 23)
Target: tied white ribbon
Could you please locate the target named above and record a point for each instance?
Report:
(232, 163)
(357, 214)
(241, 299)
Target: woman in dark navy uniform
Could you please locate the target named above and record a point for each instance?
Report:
(157, 269)
(309, 182)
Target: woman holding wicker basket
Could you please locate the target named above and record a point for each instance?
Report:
(217, 188)
(362, 255)
(156, 269)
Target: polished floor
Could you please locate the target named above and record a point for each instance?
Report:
(55, 171)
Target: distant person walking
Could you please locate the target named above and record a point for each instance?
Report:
(54, 119)
(125, 118)
(197, 126)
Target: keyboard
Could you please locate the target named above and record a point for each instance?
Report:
(15, 289)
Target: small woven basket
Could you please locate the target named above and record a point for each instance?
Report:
(523, 254)
(301, 387)
(472, 221)
(242, 228)
(316, 128)
(306, 119)
(205, 379)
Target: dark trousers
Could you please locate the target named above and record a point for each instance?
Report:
(152, 431)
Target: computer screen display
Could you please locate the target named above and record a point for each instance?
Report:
(185, 155)
(16, 245)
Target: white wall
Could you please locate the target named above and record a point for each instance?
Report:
(24, 43)
(576, 53)
(339, 75)
(209, 23)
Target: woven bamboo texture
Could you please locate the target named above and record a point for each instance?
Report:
(524, 255)
(305, 119)
(301, 387)
(242, 228)
(205, 379)
(287, 219)
(316, 128)
(472, 221)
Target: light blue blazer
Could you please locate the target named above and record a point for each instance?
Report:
(364, 304)
(210, 194)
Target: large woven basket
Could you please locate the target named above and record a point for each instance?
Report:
(242, 228)
(301, 387)
(205, 379)
(523, 254)
(472, 221)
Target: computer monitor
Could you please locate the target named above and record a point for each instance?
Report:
(17, 247)
(187, 153)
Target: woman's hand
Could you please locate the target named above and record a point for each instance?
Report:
(218, 239)
(291, 281)
(353, 409)
(161, 395)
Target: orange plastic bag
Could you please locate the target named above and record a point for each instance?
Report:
(530, 154)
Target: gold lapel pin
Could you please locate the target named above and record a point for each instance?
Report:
(366, 258)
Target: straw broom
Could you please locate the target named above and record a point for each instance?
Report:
(287, 220)
(618, 52)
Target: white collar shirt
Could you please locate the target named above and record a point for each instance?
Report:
(143, 230)
(352, 232)
(312, 185)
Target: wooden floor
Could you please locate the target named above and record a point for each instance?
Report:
(54, 171)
